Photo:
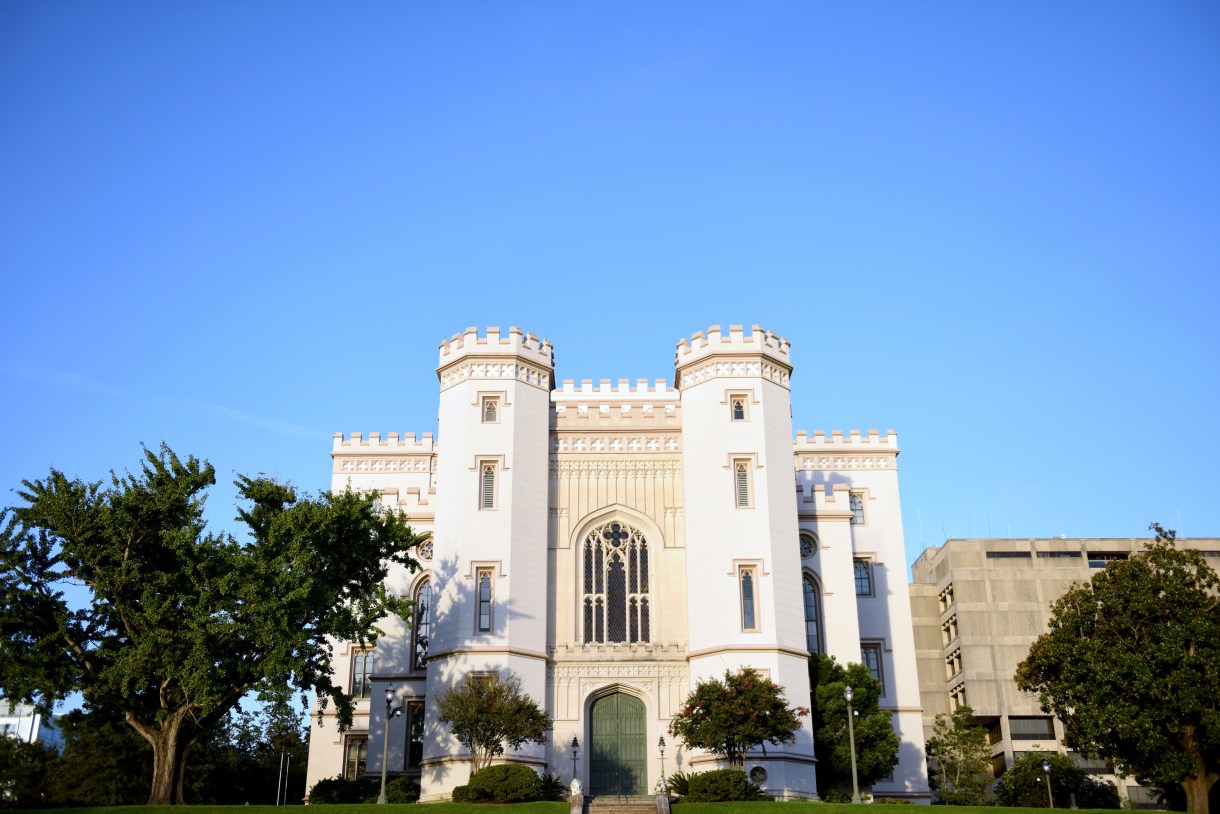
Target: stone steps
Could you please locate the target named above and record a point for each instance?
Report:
(621, 805)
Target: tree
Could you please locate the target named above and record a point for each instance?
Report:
(1130, 664)
(486, 712)
(733, 716)
(182, 623)
(959, 758)
(1024, 784)
(23, 773)
(876, 741)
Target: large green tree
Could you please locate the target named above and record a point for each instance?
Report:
(1131, 664)
(180, 623)
(1024, 784)
(959, 759)
(733, 716)
(486, 712)
(876, 741)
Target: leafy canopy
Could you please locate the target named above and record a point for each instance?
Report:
(1024, 784)
(180, 623)
(876, 740)
(1131, 665)
(485, 712)
(732, 716)
(959, 759)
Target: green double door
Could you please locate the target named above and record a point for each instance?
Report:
(619, 758)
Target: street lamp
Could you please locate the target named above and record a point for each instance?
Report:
(1046, 768)
(575, 750)
(661, 746)
(851, 733)
(391, 712)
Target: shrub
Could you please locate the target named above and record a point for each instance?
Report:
(461, 794)
(679, 783)
(506, 783)
(722, 786)
(553, 787)
(342, 790)
(835, 796)
(402, 790)
(1024, 784)
(893, 801)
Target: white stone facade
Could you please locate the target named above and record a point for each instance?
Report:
(611, 545)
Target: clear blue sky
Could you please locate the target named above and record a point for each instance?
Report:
(993, 227)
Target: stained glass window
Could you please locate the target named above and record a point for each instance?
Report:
(616, 595)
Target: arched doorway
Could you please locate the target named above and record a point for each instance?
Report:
(618, 762)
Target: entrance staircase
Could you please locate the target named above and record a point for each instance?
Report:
(610, 804)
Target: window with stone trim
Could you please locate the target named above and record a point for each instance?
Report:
(870, 657)
(483, 586)
(356, 756)
(414, 753)
(487, 484)
(856, 501)
(362, 673)
(490, 410)
(864, 576)
(422, 626)
(742, 486)
(615, 601)
(739, 409)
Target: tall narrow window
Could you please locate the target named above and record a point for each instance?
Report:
(737, 408)
(813, 617)
(491, 410)
(357, 757)
(864, 577)
(423, 625)
(749, 617)
(487, 487)
(856, 502)
(615, 599)
(484, 585)
(870, 657)
(741, 483)
(362, 671)
(415, 735)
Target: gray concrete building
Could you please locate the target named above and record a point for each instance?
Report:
(977, 606)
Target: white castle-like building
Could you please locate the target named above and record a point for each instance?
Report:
(611, 546)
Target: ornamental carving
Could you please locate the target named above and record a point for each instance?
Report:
(846, 462)
(421, 463)
(615, 444)
(721, 368)
(522, 372)
(612, 468)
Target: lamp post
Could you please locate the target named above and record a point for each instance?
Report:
(391, 712)
(575, 750)
(661, 746)
(1046, 768)
(851, 734)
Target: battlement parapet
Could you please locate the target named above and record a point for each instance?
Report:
(492, 343)
(761, 353)
(853, 439)
(357, 443)
(623, 390)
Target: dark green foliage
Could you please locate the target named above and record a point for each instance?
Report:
(182, 623)
(722, 786)
(485, 713)
(1131, 662)
(893, 801)
(334, 790)
(834, 795)
(1024, 784)
(678, 783)
(401, 790)
(553, 787)
(876, 740)
(23, 773)
(461, 794)
(731, 717)
(959, 760)
(505, 783)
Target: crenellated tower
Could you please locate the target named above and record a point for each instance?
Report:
(741, 524)
(490, 553)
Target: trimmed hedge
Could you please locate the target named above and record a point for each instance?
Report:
(505, 783)
(722, 786)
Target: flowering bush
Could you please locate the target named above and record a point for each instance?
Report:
(731, 717)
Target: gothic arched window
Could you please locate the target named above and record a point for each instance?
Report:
(813, 617)
(615, 599)
(423, 625)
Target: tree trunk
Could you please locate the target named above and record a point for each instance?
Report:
(1197, 790)
(170, 748)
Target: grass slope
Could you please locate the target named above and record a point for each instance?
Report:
(533, 808)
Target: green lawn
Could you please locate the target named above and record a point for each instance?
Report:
(534, 808)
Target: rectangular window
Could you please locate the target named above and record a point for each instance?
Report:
(957, 697)
(747, 578)
(357, 754)
(856, 501)
(741, 484)
(415, 735)
(870, 657)
(946, 597)
(998, 766)
(1059, 555)
(483, 585)
(1008, 555)
(1100, 559)
(864, 577)
(738, 407)
(1030, 728)
(490, 410)
(953, 664)
(948, 631)
(362, 671)
(487, 485)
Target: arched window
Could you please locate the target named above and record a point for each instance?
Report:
(615, 599)
(423, 625)
(813, 616)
